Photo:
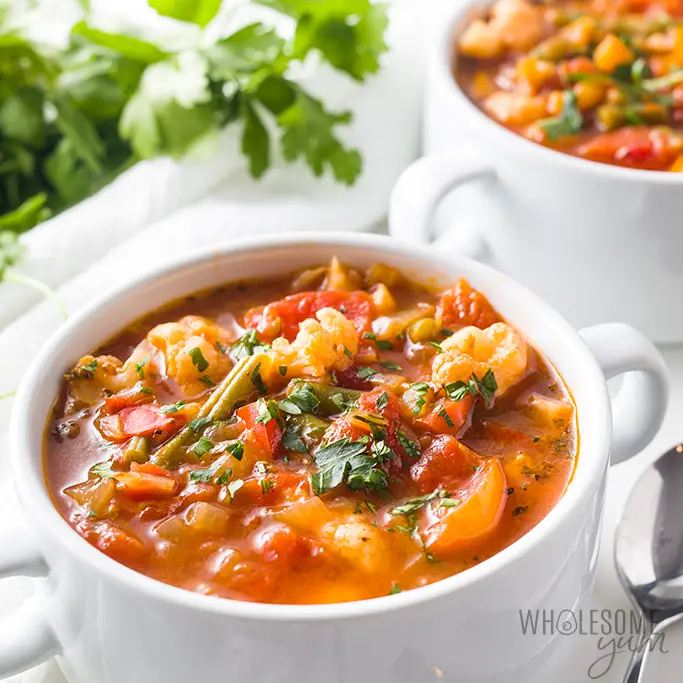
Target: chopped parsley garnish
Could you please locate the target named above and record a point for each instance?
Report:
(382, 400)
(221, 347)
(172, 407)
(267, 486)
(417, 503)
(520, 510)
(234, 487)
(382, 344)
(390, 365)
(267, 411)
(103, 469)
(257, 380)
(302, 400)
(205, 379)
(202, 447)
(198, 423)
(358, 510)
(365, 372)
(236, 449)
(420, 390)
(247, 345)
(198, 359)
(569, 120)
(282, 370)
(90, 367)
(370, 506)
(292, 442)
(348, 460)
(224, 478)
(509, 491)
(450, 502)
(146, 390)
(486, 386)
(410, 447)
(447, 333)
(206, 474)
(347, 351)
(446, 417)
(139, 367)
(436, 345)
(395, 589)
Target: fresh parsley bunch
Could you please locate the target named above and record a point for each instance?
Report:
(72, 120)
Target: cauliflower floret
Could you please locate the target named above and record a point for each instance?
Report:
(328, 343)
(471, 350)
(190, 350)
(93, 378)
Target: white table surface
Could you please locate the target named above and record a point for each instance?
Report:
(579, 651)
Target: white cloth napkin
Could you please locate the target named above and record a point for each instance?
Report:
(159, 210)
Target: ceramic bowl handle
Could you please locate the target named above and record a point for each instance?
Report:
(639, 407)
(419, 191)
(26, 638)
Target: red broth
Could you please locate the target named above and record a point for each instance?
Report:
(328, 436)
(598, 79)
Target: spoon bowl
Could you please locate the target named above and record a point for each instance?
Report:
(648, 549)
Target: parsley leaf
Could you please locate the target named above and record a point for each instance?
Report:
(486, 387)
(236, 449)
(103, 469)
(234, 487)
(350, 460)
(139, 367)
(302, 399)
(172, 407)
(198, 423)
(382, 400)
(292, 442)
(198, 359)
(568, 122)
(205, 475)
(366, 372)
(267, 411)
(390, 365)
(248, 345)
(202, 447)
(257, 380)
(409, 446)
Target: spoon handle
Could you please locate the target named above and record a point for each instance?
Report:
(636, 667)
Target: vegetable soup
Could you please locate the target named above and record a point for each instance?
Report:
(325, 436)
(598, 79)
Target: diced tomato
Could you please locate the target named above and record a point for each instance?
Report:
(444, 461)
(448, 417)
(480, 507)
(638, 147)
(143, 420)
(279, 544)
(127, 398)
(270, 488)
(283, 317)
(143, 486)
(120, 545)
(267, 436)
(461, 305)
(578, 65)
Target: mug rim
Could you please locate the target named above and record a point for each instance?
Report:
(445, 55)
(32, 487)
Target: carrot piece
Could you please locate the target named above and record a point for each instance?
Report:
(477, 514)
(143, 486)
(448, 417)
(611, 52)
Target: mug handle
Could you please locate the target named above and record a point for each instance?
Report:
(26, 637)
(639, 407)
(423, 185)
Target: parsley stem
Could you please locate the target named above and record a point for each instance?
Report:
(47, 292)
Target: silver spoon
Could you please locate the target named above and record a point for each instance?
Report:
(648, 551)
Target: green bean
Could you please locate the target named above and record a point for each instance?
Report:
(332, 399)
(237, 386)
(137, 450)
(307, 426)
(610, 116)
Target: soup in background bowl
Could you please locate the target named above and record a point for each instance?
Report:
(598, 79)
(334, 434)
